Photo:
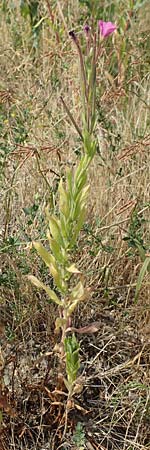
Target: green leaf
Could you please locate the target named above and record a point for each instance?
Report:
(145, 267)
(80, 202)
(69, 180)
(78, 294)
(81, 183)
(72, 307)
(64, 200)
(79, 437)
(57, 276)
(81, 169)
(47, 258)
(64, 229)
(73, 269)
(34, 280)
(58, 252)
(78, 227)
(66, 384)
(77, 291)
(87, 142)
(72, 358)
(81, 194)
(51, 262)
(77, 211)
(55, 230)
(59, 323)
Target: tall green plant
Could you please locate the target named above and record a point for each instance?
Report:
(64, 228)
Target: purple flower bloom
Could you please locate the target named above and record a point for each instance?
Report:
(106, 28)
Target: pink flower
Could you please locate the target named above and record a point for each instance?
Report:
(106, 28)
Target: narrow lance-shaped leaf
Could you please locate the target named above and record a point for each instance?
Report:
(87, 142)
(34, 280)
(55, 230)
(80, 202)
(81, 183)
(51, 262)
(69, 177)
(64, 229)
(58, 279)
(77, 227)
(73, 269)
(47, 257)
(59, 253)
(64, 200)
(83, 165)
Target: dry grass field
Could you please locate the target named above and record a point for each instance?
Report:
(39, 64)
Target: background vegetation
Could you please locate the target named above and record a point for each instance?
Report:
(38, 66)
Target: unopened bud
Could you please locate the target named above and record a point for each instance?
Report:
(73, 35)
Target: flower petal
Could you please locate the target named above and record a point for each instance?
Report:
(106, 28)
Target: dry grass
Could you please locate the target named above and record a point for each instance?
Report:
(37, 144)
